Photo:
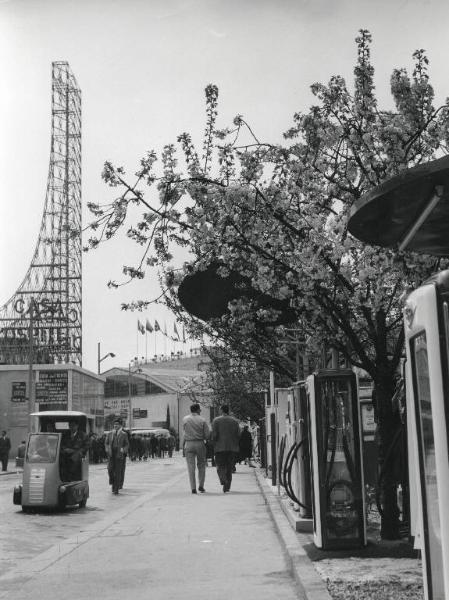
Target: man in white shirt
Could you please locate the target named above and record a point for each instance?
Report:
(195, 433)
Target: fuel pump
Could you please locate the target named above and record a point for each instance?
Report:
(336, 460)
(281, 396)
(426, 321)
(295, 467)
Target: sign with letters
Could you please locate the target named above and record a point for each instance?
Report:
(18, 391)
(52, 387)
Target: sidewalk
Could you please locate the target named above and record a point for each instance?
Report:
(171, 544)
(11, 468)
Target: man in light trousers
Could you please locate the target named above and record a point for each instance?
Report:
(196, 433)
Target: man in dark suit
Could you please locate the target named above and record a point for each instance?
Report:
(117, 445)
(74, 447)
(225, 435)
(5, 447)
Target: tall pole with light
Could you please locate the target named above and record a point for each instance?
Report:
(100, 359)
(138, 370)
(31, 400)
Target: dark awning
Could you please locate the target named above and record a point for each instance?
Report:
(206, 295)
(409, 211)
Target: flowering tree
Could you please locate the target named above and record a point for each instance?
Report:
(277, 215)
(240, 383)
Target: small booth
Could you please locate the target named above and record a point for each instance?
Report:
(411, 211)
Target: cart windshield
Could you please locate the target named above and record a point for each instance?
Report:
(42, 447)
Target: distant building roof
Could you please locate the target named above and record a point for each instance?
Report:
(170, 380)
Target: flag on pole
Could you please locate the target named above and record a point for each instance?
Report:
(183, 335)
(140, 327)
(156, 326)
(175, 330)
(148, 326)
(165, 327)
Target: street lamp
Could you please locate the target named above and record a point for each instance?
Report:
(99, 360)
(138, 370)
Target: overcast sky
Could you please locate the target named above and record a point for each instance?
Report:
(142, 66)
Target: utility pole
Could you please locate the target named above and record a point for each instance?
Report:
(31, 403)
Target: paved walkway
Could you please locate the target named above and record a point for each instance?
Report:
(169, 545)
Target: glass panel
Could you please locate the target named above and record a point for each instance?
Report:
(338, 475)
(42, 448)
(431, 515)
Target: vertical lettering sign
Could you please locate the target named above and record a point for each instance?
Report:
(52, 388)
(18, 391)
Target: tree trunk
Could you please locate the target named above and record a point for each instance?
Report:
(388, 424)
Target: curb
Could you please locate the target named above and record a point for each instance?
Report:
(306, 577)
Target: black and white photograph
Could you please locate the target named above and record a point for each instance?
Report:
(224, 299)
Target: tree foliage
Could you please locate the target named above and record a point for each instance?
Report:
(277, 214)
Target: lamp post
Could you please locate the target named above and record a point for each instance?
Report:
(100, 360)
(31, 399)
(138, 370)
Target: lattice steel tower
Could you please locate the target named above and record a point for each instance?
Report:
(41, 322)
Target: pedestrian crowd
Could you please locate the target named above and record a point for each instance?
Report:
(142, 446)
(224, 443)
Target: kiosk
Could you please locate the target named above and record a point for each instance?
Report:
(426, 317)
(411, 211)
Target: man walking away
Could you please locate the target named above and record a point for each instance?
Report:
(196, 433)
(117, 445)
(225, 435)
(5, 447)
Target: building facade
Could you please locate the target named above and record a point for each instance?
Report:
(54, 387)
(154, 395)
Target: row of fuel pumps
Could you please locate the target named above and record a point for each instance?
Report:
(315, 434)
(315, 453)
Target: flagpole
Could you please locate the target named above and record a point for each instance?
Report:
(146, 346)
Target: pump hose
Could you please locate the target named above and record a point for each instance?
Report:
(281, 459)
(348, 457)
(328, 429)
(286, 470)
(291, 456)
(391, 447)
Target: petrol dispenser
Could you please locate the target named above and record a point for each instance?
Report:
(426, 321)
(294, 472)
(336, 460)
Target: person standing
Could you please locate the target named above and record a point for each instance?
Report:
(74, 447)
(117, 444)
(225, 435)
(195, 433)
(5, 447)
(20, 458)
(246, 446)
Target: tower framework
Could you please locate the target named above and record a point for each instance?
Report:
(41, 322)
